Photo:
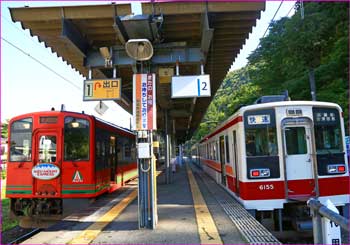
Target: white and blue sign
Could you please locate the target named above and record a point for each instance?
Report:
(347, 144)
(45, 171)
(190, 86)
(259, 119)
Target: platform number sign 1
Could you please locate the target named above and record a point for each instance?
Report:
(190, 86)
(102, 89)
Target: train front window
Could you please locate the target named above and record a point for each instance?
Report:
(261, 141)
(76, 139)
(296, 140)
(328, 135)
(47, 149)
(328, 139)
(21, 140)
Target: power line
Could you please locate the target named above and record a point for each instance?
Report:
(293, 6)
(273, 18)
(38, 61)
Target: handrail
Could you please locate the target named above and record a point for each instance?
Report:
(318, 210)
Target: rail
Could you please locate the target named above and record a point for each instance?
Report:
(26, 236)
(318, 210)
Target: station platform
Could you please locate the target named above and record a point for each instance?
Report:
(192, 209)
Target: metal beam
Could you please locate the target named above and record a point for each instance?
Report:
(120, 30)
(161, 56)
(207, 35)
(72, 34)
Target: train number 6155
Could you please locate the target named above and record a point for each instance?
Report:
(266, 187)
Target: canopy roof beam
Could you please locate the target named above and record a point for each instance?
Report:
(72, 34)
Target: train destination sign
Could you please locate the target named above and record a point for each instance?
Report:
(102, 89)
(190, 86)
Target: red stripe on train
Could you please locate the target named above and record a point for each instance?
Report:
(229, 124)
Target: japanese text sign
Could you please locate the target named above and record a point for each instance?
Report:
(102, 89)
(144, 102)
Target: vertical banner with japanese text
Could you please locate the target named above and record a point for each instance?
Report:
(144, 102)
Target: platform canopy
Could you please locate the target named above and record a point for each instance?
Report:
(208, 33)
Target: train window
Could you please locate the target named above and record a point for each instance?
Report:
(21, 140)
(295, 140)
(47, 149)
(328, 139)
(261, 141)
(127, 150)
(227, 149)
(327, 130)
(76, 139)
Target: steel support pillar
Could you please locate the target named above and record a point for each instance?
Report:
(167, 147)
(147, 194)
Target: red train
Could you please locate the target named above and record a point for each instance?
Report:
(58, 159)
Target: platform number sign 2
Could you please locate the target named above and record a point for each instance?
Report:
(190, 86)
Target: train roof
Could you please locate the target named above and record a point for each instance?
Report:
(56, 113)
(269, 105)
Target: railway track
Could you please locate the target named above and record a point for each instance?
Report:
(25, 236)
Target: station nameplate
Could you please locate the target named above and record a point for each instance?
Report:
(190, 86)
(102, 89)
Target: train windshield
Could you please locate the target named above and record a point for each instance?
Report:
(328, 139)
(21, 140)
(327, 130)
(76, 139)
(261, 142)
(260, 133)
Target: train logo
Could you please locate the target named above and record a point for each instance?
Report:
(45, 171)
(77, 177)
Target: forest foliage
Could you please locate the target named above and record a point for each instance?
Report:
(283, 60)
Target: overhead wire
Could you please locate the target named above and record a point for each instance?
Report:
(41, 63)
(272, 18)
(36, 43)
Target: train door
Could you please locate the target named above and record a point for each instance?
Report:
(299, 162)
(222, 160)
(235, 159)
(47, 163)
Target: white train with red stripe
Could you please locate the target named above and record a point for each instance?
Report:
(275, 156)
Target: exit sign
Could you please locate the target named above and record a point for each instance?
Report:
(102, 89)
(190, 86)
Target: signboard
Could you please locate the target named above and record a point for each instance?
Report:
(144, 102)
(190, 86)
(165, 74)
(331, 231)
(102, 89)
(101, 108)
(45, 171)
(258, 119)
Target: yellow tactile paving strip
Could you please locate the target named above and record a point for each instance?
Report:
(88, 235)
(208, 233)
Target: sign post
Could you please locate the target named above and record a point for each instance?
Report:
(145, 121)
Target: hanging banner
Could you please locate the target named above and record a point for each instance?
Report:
(144, 102)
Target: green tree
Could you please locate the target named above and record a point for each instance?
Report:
(4, 129)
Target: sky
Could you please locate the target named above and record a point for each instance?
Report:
(26, 86)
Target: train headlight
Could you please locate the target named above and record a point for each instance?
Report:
(336, 168)
(260, 173)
